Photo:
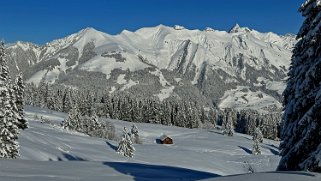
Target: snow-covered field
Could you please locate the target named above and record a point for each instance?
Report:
(51, 153)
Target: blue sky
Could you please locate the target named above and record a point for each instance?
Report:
(40, 21)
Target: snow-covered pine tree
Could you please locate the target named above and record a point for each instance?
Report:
(73, 119)
(67, 101)
(257, 135)
(43, 93)
(13, 105)
(135, 135)
(212, 116)
(301, 143)
(167, 110)
(228, 127)
(137, 112)
(158, 112)
(57, 100)
(51, 104)
(93, 125)
(19, 91)
(9, 147)
(257, 139)
(89, 104)
(256, 147)
(203, 115)
(125, 146)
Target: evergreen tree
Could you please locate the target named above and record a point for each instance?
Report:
(19, 91)
(125, 146)
(257, 139)
(89, 105)
(257, 135)
(135, 135)
(228, 125)
(256, 147)
(212, 116)
(138, 112)
(9, 147)
(301, 143)
(93, 125)
(73, 119)
(67, 101)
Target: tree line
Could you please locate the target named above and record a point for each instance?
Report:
(127, 107)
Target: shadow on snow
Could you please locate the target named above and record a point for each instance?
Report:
(273, 151)
(144, 172)
(246, 149)
(68, 157)
(111, 146)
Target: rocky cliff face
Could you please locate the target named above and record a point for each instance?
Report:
(241, 68)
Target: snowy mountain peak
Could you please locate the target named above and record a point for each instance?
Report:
(153, 32)
(91, 35)
(89, 31)
(237, 29)
(25, 46)
(179, 27)
(208, 29)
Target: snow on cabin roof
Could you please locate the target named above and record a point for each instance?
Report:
(163, 137)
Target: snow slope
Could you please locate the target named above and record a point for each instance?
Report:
(49, 152)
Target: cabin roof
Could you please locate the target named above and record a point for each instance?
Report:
(163, 137)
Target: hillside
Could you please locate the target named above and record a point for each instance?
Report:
(242, 68)
(49, 152)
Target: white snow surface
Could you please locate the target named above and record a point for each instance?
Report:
(129, 84)
(36, 78)
(98, 64)
(121, 79)
(49, 152)
(243, 98)
(165, 93)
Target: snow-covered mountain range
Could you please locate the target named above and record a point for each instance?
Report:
(242, 68)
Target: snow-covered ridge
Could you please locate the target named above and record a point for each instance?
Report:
(198, 57)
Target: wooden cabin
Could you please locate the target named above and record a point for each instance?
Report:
(166, 140)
